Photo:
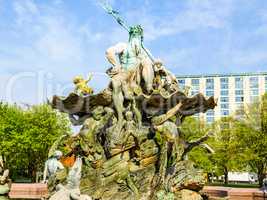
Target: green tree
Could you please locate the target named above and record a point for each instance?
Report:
(27, 135)
(252, 132)
(240, 143)
(11, 126)
(228, 151)
(193, 129)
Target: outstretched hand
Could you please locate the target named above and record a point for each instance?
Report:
(89, 77)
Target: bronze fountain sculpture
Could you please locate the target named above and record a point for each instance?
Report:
(130, 143)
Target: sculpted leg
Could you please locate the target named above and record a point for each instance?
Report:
(132, 186)
(148, 74)
(137, 113)
(125, 89)
(117, 97)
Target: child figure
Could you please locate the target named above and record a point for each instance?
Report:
(81, 86)
(163, 78)
(130, 128)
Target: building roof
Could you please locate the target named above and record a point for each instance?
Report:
(222, 75)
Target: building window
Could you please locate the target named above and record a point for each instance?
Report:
(209, 87)
(225, 106)
(254, 92)
(181, 81)
(239, 92)
(254, 82)
(209, 80)
(239, 99)
(210, 113)
(194, 86)
(209, 83)
(209, 93)
(240, 108)
(195, 81)
(254, 89)
(224, 92)
(239, 83)
(224, 80)
(224, 99)
(224, 112)
(209, 119)
(181, 84)
(224, 83)
(224, 86)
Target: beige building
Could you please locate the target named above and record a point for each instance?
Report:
(234, 91)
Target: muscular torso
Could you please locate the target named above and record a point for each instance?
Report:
(53, 165)
(130, 55)
(129, 58)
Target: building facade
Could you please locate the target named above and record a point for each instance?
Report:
(233, 91)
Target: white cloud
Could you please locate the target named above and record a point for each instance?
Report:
(178, 55)
(58, 2)
(58, 42)
(25, 10)
(3, 80)
(197, 14)
(249, 58)
(262, 29)
(49, 37)
(86, 31)
(46, 39)
(1, 5)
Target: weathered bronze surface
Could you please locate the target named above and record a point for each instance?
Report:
(130, 143)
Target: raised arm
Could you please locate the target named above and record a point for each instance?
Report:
(113, 52)
(89, 78)
(104, 4)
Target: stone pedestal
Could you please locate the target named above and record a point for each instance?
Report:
(28, 191)
(235, 193)
(241, 194)
(260, 195)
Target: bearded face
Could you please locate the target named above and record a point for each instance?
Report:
(136, 38)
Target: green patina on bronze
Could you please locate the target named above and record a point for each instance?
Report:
(130, 142)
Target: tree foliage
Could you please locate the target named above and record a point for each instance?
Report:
(228, 151)
(252, 131)
(224, 143)
(26, 136)
(240, 143)
(192, 129)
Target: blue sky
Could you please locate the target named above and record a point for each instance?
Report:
(44, 44)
